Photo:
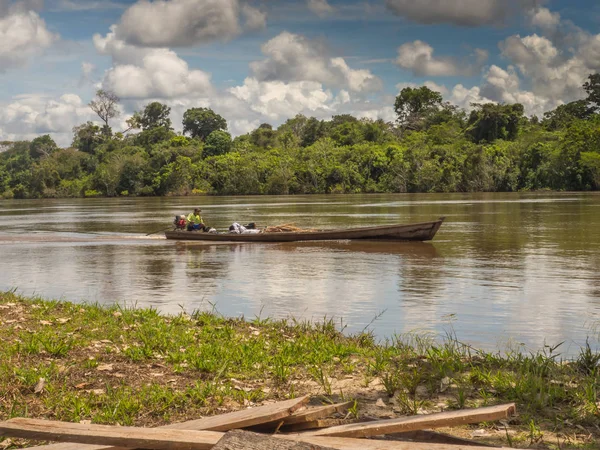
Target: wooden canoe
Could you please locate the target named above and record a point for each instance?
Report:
(412, 232)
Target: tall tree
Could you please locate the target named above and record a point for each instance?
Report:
(87, 137)
(217, 143)
(592, 87)
(42, 146)
(489, 122)
(154, 115)
(105, 105)
(563, 115)
(201, 122)
(414, 104)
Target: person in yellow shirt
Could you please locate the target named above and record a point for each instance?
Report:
(194, 220)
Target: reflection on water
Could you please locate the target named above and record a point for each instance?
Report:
(504, 266)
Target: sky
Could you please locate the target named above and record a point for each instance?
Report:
(256, 61)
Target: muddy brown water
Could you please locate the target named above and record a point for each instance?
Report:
(504, 269)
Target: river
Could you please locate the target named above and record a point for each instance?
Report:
(505, 270)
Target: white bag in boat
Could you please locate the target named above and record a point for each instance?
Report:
(236, 228)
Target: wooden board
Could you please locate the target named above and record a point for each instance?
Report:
(444, 419)
(319, 412)
(314, 425)
(223, 422)
(373, 444)
(244, 440)
(434, 438)
(129, 437)
(155, 438)
(299, 420)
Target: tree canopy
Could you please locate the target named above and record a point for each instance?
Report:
(433, 147)
(201, 122)
(414, 104)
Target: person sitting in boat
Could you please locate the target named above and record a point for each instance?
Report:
(194, 221)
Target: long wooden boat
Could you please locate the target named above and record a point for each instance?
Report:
(412, 232)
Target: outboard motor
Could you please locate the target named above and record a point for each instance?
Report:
(180, 222)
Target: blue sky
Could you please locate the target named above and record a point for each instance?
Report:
(260, 61)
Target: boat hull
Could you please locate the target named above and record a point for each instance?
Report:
(412, 232)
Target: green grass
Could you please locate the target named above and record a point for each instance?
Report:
(137, 367)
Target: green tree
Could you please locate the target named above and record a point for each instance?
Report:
(201, 122)
(413, 105)
(42, 146)
(592, 87)
(564, 115)
(264, 136)
(154, 115)
(489, 122)
(87, 137)
(217, 143)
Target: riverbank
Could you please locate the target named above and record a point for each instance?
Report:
(73, 362)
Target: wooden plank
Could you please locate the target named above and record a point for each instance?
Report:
(223, 422)
(129, 437)
(310, 415)
(155, 438)
(444, 419)
(244, 440)
(374, 444)
(435, 437)
(320, 412)
(315, 424)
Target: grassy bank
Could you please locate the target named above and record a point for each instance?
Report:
(135, 367)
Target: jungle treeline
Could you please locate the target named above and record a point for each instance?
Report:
(433, 146)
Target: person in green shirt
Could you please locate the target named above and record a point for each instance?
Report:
(194, 220)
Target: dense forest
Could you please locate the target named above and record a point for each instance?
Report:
(432, 147)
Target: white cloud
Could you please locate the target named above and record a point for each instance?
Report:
(430, 84)
(23, 33)
(463, 97)
(159, 73)
(87, 68)
(555, 73)
(180, 23)
(418, 56)
(320, 7)
(162, 74)
(87, 5)
(119, 50)
(254, 18)
(544, 18)
(293, 57)
(277, 100)
(29, 116)
(459, 12)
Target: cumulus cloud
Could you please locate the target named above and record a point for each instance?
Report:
(28, 116)
(469, 13)
(181, 23)
(254, 18)
(87, 5)
(465, 97)
(418, 57)
(276, 99)
(23, 33)
(544, 18)
(149, 73)
(320, 7)
(556, 73)
(430, 84)
(293, 57)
